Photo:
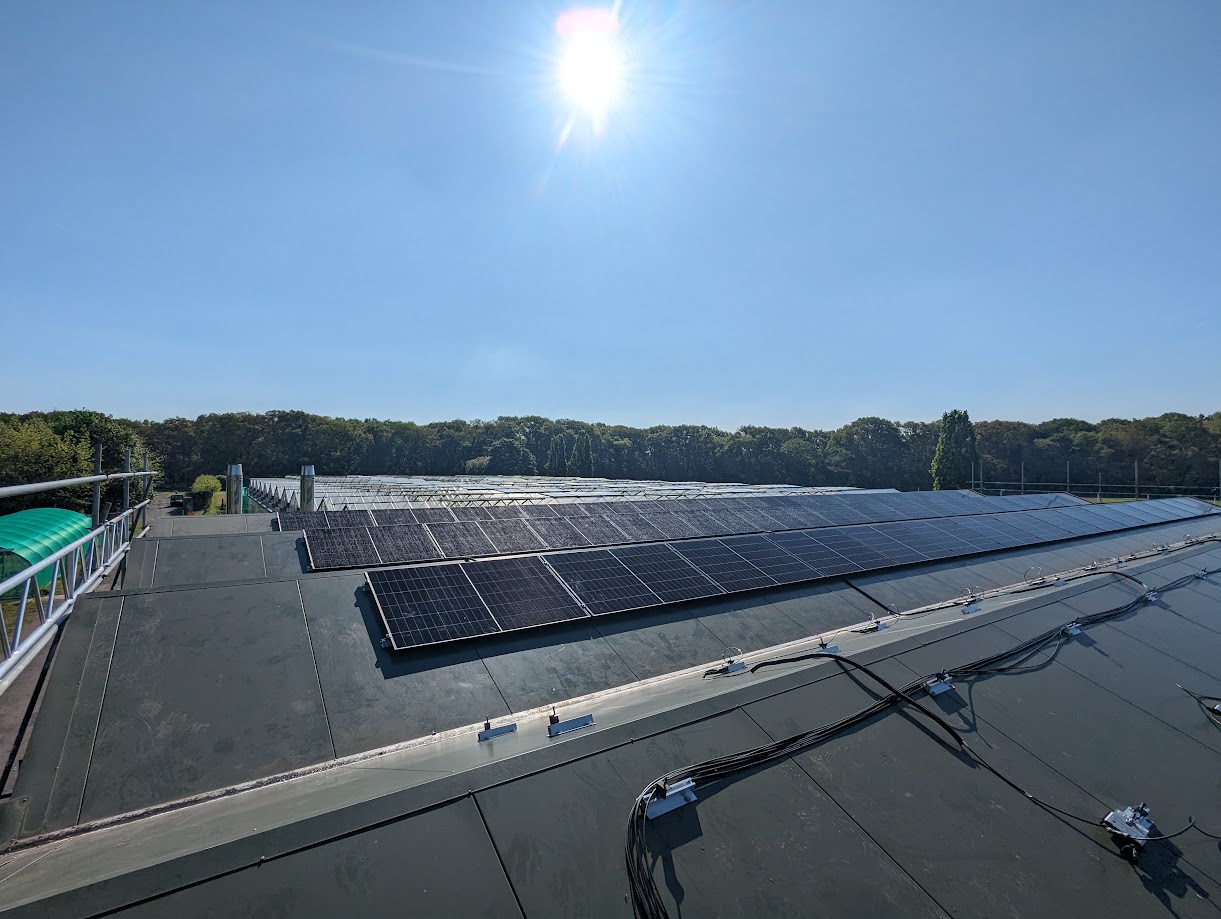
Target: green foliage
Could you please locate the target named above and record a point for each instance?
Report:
(557, 456)
(203, 490)
(955, 456)
(581, 463)
(32, 451)
(510, 457)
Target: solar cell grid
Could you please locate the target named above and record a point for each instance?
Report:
(429, 604)
(558, 533)
(470, 513)
(393, 517)
(781, 566)
(599, 530)
(433, 514)
(522, 592)
(461, 539)
(637, 528)
(602, 582)
(724, 566)
(302, 520)
(674, 526)
(569, 510)
(504, 512)
(666, 573)
(407, 542)
(350, 547)
(509, 536)
(339, 519)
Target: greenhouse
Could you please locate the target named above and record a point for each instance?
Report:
(27, 537)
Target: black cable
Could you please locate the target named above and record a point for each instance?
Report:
(645, 898)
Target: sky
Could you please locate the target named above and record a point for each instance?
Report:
(793, 213)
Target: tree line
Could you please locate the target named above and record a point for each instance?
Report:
(1172, 449)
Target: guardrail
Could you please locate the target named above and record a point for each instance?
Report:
(75, 569)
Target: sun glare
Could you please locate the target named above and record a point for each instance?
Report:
(591, 61)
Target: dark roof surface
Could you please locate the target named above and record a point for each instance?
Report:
(256, 668)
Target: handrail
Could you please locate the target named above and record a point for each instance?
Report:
(12, 491)
(75, 569)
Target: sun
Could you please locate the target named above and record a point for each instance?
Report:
(590, 61)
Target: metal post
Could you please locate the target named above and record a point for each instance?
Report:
(127, 482)
(97, 489)
(1100, 488)
(233, 489)
(147, 486)
(1136, 477)
(1023, 477)
(972, 475)
(306, 496)
(1068, 476)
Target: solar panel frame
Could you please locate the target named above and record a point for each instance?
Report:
(433, 514)
(343, 519)
(637, 528)
(772, 559)
(289, 521)
(398, 516)
(599, 529)
(523, 592)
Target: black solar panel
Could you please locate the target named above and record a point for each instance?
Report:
(568, 510)
(599, 530)
(674, 526)
(522, 592)
(666, 573)
(302, 520)
(558, 533)
(393, 517)
(461, 539)
(773, 560)
(339, 519)
(407, 542)
(637, 528)
(428, 605)
(824, 560)
(723, 565)
(470, 513)
(602, 582)
(504, 512)
(350, 547)
(433, 514)
(510, 536)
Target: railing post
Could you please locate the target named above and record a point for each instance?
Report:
(127, 482)
(97, 489)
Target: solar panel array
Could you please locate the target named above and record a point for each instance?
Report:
(478, 532)
(523, 592)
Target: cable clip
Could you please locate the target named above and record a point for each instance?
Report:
(1131, 827)
(1072, 630)
(673, 797)
(938, 684)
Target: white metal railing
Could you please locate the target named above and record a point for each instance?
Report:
(75, 569)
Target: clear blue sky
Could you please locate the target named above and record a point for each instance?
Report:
(799, 213)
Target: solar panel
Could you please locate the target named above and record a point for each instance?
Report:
(599, 530)
(470, 513)
(522, 592)
(602, 582)
(666, 573)
(393, 517)
(781, 566)
(407, 542)
(428, 605)
(302, 520)
(433, 514)
(850, 548)
(558, 533)
(505, 512)
(350, 547)
(510, 536)
(637, 528)
(824, 560)
(723, 565)
(339, 519)
(568, 510)
(674, 526)
(461, 539)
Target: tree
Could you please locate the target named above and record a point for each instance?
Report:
(955, 451)
(30, 451)
(557, 456)
(204, 488)
(510, 457)
(581, 463)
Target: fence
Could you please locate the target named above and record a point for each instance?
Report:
(31, 614)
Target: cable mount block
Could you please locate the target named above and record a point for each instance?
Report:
(675, 796)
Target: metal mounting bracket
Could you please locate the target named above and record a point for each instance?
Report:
(938, 684)
(489, 732)
(676, 795)
(557, 727)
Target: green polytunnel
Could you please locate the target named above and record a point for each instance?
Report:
(27, 537)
